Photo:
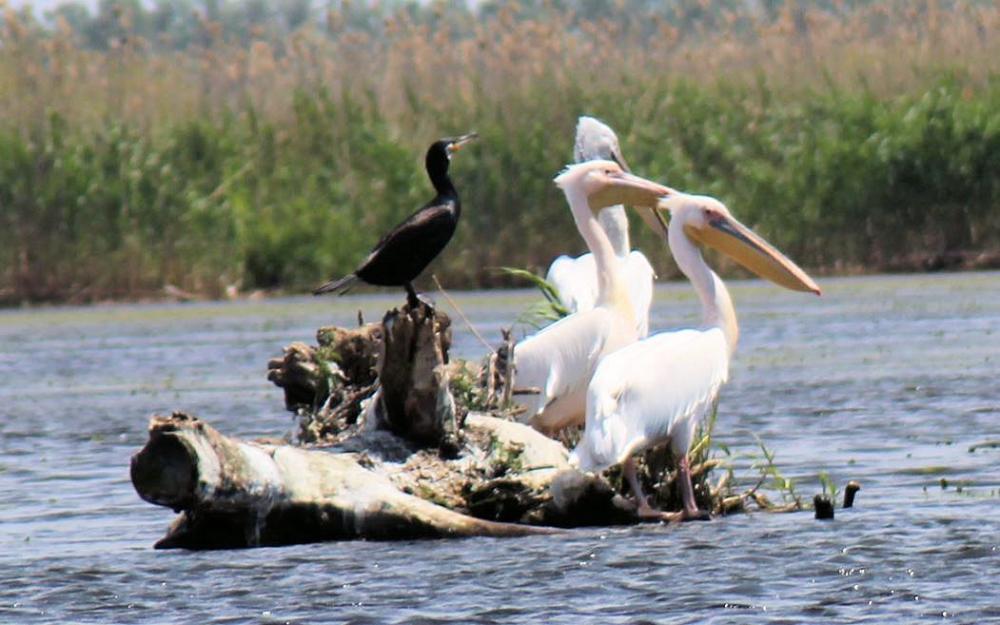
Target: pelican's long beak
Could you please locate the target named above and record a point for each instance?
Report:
(458, 142)
(624, 188)
(652, 218)
(617, 157)
(740, 243)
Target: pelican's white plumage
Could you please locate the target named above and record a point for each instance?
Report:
(576, 278)
(660, 389)
(576, 281)
(555, 364)
(624, 393)
(559, 360)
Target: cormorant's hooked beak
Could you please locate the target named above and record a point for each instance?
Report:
(456, 144)
(729, 236)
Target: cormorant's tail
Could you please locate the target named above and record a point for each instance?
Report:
(340, 286)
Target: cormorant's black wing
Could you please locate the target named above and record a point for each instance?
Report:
(411, 245)
(420, 224)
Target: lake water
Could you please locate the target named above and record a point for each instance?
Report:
(887, 380)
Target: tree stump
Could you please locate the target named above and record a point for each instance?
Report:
(405, 357)
(414, 401)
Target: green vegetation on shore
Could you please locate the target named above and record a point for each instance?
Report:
(851, 143)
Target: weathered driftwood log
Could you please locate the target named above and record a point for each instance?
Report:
(233, 493)
(512, 481)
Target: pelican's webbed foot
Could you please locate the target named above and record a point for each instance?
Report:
(693, 515)
(646, 512)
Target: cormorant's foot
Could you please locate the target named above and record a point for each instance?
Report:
(419, 301)
(426, 300)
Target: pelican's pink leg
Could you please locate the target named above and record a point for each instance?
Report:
(691, 510)
(643, 509)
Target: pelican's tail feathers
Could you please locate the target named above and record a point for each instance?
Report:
(341, 286)
(600, 445)
(582, 460)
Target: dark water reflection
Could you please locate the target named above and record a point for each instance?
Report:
(888, 380)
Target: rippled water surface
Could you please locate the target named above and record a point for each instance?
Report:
(887, 380)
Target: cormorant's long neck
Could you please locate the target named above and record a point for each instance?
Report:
(437, 171)
(610, 287)
(716, 305)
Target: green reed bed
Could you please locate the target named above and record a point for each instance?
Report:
(278, 164)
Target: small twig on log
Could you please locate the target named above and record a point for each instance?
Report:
(765, 504)
(324, 410)
(514, 411)
(793, 506)
(491, 387)
(508, 381)
(461, 314)
(703, 467)
(721, 485)
(734, 502)
(540, 467)
(760, 499)
(753, 491)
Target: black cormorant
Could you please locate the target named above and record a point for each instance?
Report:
(409, 247)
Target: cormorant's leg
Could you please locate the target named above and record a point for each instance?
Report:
(411, 296)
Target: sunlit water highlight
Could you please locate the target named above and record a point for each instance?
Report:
(887, 380)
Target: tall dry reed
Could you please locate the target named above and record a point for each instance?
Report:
(851, 135)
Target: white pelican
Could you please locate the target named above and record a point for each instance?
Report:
(552, 367)
(576, 278)
(659, 389)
